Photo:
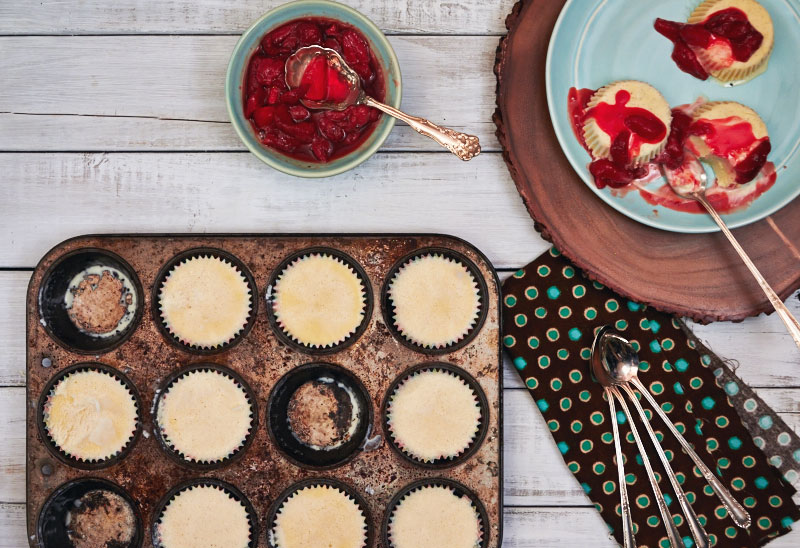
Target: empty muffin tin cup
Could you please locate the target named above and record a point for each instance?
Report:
(76, 273)
(230, 490)
(456, 487)
(389, 310)
(285, 337)
(175, 454)
(58, 452)
(483, 426)
(318, 482)
(177, 260)
(56, 517)
(348, 399)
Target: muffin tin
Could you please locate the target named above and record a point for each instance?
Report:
(267, 467)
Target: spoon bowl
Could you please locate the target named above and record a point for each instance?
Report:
(298, 63)
(614, 361)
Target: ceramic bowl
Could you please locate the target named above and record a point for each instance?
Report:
(249, 43)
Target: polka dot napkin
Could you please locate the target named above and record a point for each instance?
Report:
(550, 314)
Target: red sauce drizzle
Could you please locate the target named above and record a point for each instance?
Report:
(281, 121)
(728, 32)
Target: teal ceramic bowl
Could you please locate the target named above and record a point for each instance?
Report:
(249, 43)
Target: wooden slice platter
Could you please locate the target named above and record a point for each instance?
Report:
(694, 275)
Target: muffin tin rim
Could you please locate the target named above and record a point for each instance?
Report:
(346, 488)
(60, 454)
(163, 502)
(109, 486)
(368, 420)
(134, 279)
(173, 262)
(477, 441)
(174, 454)
(483, 292)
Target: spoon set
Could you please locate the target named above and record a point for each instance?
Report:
(615, 364)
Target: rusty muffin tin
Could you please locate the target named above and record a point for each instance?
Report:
(262, 471)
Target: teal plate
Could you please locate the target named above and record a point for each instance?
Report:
(595, 42)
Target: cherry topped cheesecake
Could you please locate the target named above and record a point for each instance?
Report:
(730, 40)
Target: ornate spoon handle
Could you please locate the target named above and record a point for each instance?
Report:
(666, 516)
(791, 323)
(463, 145)
(738, 514)
(625, 505)
(699, 534)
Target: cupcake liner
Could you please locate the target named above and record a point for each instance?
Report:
(162, 432)
(204, 483)
(457, 489)
(283, 324)
(442, 460)
(404, 331)
(599, 143)
(293, 491)
(87, 463)
(182, 339)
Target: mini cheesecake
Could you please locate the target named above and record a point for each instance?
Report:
(319, 516)
(434, 517)
(627, 122)
(734, 60)
(732, 138)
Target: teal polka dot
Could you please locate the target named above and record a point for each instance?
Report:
(706, 359)
(634, 307)
(681, 365)
(621, 417)
(734, 443)
(531, 293)
(787, 522)
(586, 487)
(520, 363)
(731, 388)
(553, 292)
(765, 422)
(761, 482)
(655, 327)
(750, 405)
(784, 438)
(678, 388)
(655, 348)
(574, 334)
(708, 403)
(543, 405)
(563, 447)
(533, 342)
(796, 455)
(511, 300)
(688, 542)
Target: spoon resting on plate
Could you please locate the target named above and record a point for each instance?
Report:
(690, 181)
(334, 85)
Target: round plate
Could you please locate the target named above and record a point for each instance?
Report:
(596, 42)
(694, 275)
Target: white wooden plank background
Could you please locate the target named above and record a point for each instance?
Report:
(112, 119)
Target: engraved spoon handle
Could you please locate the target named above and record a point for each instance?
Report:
(666, 516)
(791, 323)
(463, 145)
(625, 505)
(738, 514)
(698, 533)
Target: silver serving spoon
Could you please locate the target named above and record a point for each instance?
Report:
(621, 364)
(610, 387)
(463, 145)
(690, 182)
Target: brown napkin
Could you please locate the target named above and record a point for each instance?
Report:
(550, 314)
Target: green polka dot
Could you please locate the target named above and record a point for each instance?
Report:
(520, 320)
(543, 405)
(696, 383)
(723, 463)
(554, 252)
(578, 291)
(553, 425)
(586, 353)
(635, 345)
(681, 477)
(544, 362)
(764, 523)
(553, 292)
(576, 426)
(543, 271)
(612, 305)
(644, 366)
(509, 341)
(564, 312)
(510, 301)
(556, 384)
(607, 437)
(609, 487)
(730, 532)
(630, 479)
(642, 501)
(574, 467)
(590, 313)
(565, 404)
(568, 272)
(666, 366)
(775, 501)
(597, 418)
(667, 407)
(562, 353)
(533, 342)
(667, 344)
(531, 292)
(598, 285)
(621, 325)
(531, 383)
(721, 512)
(552, 334)
(540, 312)
(586, 446)
(708, 403)
(653, 521)
(664, 543)
(749, 502)
(737, 484)
(656, 387)
(519, 273)
(520, 363)
(722, 421)
(585, 396)
(575, 375)
(712, 444)
(598, 468)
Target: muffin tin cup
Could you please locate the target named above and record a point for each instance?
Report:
(456, 487)
(177, 260)
(388, 308)
(278, 424)
(284, 337)
(252, 516)
(52, 309)
(176, 455)
(318, 482)
(477, 440)
(51, 522)
(59, 453)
